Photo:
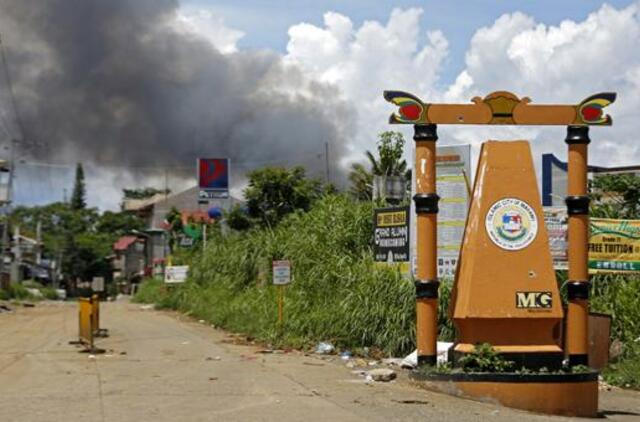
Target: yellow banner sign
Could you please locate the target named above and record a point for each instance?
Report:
(614, 246)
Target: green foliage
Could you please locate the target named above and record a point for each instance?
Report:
(625, 372)
(18, 292)
(78, 196)
(484, 358)
(618, 296)
(150, 291)
(49, 293)
(361, 182)
(616, 196)
(390, 150)
(390, 163)
(83, 237)
(143, 193)
(338, 293)
(238, 219)
(274, 192)
(118, 223)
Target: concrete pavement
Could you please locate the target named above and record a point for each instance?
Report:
(161, 366)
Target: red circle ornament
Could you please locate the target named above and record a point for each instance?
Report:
(591, 113)
(411, 111)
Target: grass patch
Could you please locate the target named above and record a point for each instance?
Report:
(338, 294)
(619, 296)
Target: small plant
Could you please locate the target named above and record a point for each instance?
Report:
(580, 369)
(484, 358)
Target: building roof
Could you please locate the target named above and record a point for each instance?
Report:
(124, 242)
(187, 201)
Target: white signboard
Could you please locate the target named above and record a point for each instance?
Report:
(176, 274)
(97, 284)
(452, 163)
(556, 220)
(281, 272)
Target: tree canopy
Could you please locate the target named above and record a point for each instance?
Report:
(616, 196)
(388, 163)
(78, 196)
(274, 192)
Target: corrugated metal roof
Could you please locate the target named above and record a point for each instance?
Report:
(124, 242)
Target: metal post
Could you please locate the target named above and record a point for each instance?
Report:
(426, 204)
(577, 344)
(326, 161)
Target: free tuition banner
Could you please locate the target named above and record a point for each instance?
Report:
(614, 246)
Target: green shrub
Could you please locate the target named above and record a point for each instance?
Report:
(484, 358)
(19, 292)
(338, 293)
(619, 296)
(49, 293)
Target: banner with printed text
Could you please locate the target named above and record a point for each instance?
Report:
(614, 246)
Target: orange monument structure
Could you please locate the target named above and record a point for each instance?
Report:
(505, 291)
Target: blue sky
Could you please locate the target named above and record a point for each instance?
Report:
(265, 22)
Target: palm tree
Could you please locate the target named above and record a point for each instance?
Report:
(361, 182)
(390, 163)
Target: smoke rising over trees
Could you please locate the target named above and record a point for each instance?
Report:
(115, 84)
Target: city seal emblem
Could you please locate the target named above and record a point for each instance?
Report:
(511, 224)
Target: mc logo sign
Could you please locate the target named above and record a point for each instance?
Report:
(533, 300)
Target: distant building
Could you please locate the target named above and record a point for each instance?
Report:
(155, 209)
(129, 259)
(554, 178)
(140, 253)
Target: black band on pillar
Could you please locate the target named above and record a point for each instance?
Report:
(577, 135)
(577, 205)
(426, 203)
(427, 289)
(427, 360)
(575, 360)
(425, 132)
(578, 289)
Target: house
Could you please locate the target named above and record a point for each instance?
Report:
(155, 209)
(129, 259)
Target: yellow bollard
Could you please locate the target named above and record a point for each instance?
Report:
(95, 315)
(85, 320)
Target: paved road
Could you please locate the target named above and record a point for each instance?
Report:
(160, 366)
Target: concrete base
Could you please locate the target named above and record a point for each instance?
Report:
(555, 394)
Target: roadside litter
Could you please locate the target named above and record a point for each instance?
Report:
(411, 361)
(346, 355)
(325, 348)
(382, 374)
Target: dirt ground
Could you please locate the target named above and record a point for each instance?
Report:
(160, 366)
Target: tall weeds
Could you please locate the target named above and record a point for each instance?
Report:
(337, 294)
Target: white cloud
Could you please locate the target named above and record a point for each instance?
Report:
(363, 62)
(564, 63)
(206, 24)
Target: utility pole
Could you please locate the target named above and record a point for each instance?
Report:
(326, 159)
(38, 242)
(17, 256)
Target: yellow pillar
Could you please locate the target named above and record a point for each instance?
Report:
(426, 204)
(577, 200)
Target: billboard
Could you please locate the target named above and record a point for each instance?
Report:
(614, 246)
(556, 220)
(391, 236)
(213, 178)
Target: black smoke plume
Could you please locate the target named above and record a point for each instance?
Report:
(113, 84)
